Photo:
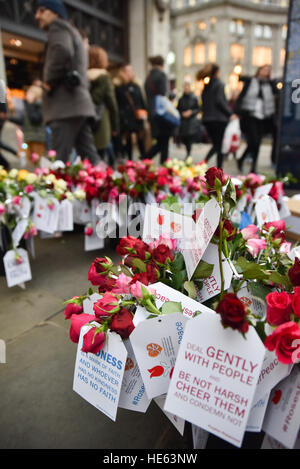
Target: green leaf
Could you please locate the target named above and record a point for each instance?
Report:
(139, 264)
(125, 270)
(251, 270)
(178, 279)
(171, 307)
(178, 262)
(230, 194)
(260, 329)
(258, 290)
(190, 288)
(203, 270)
(91, 291)
(279, 279)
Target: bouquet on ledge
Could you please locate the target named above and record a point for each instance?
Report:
(202, 315)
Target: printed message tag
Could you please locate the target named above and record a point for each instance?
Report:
(98, 378)
(158, 222)
(266, 210)
(18, 232)
(282, 419)
(262, 190)
(150, 198)
(200, 437)
(256, 306)
(30, 246)
(25, 207)
(155, 343)
(133, 394)
(88, 303)
(257, 414)
(284, 211)
(212, 285)
(17, 272)
(194, 245)
(215, 376)
(176, 421)
(91, 243)
(45, 214)
(82, 212)
(272, 372)
(65, 219)
(45, 163)
(271, 443)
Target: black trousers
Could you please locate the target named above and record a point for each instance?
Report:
(187, 142)
(73, 133)
(216, 132)
(253, 130)
(161, 146)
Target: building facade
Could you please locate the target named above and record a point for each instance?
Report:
(239, 35)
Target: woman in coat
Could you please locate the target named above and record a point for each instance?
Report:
(216, 112)
(189, 108)
(103, 96)
(256, 107)
(157, 84)
(130, 103)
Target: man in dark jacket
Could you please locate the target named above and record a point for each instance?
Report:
(67, 105)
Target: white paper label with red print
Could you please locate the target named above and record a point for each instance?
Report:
(17, 272)
(215, 376)
(176, 421)
(45, 214)
(266, 210)
(155, 343)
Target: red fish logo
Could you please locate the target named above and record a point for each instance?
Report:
(246, 301)
(156, 371)
(277, 396)
(160, 219)
(129, 364)
(154, 350)
(176, 227)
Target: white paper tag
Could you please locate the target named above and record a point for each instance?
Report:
(18, 232)
(98, 378)
(266, 210)
(262, 190)
(158, 222)
(282, 419)
(176, 421)
(88, 303)
(25, 207)
(200, 437)
(272, 372)
(45, 218)
(16, 273)
(256, 306)
(271, 443)
(150, 198)
(284, 211)
(257, 414)
(45, 163)
(30, 246)
(215, 376)
(65, 220)
(92, 243)
(82, 213)
(155, 343)
(133, 394)
(212, 285)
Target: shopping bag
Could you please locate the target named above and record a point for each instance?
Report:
(166, 111)
(232, 137)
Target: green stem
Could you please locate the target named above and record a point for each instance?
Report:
(151, 308)
(221, 225)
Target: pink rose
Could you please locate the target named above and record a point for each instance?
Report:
(122, 285)
(16, 200)
(77, 322)
(255, 246)
(113, 194)
(136, 290)
(2, 209)
(28, 189)
(52, 153)
(93, 343)
(250, 232)
(35, 157)
(89, 231)
(285, 248)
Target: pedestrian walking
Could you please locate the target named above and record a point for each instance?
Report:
(157, 84)
(256, 108)
(67, 104)
(132, 111)
(32, 123)
(216, 112)
(189, 129)
(102, 91)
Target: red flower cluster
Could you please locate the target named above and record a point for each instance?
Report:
(215, 173)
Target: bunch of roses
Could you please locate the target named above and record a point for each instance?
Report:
(283, 313)
(272, 234)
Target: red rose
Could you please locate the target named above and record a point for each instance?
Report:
(296, 302)
(93, 343)
(106, 306)
(278, 225)
(73, 308)
(133, 193)
(99, 267)
(162, 253)
(228, 230)
(107, 284)
(128, 244)
(215, 173)
(77, 322)
(140, 277)
(152, 272)
(122, 323)
(282, 341)
(294, 273)
(233, 313)
(279, 308)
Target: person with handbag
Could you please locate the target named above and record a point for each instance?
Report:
(216, 112)
(132, 111)
(256, 107)
(156, 84)
(106, 123)
(189, 130)
(67, 104)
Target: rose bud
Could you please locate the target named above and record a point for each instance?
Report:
(122, 323)
(279, 308)
(99, 267)
(107, 305)
(294, 273)
(93, 342)
(215, 173)
(73, 308)
(162, 253)
(77, 322)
